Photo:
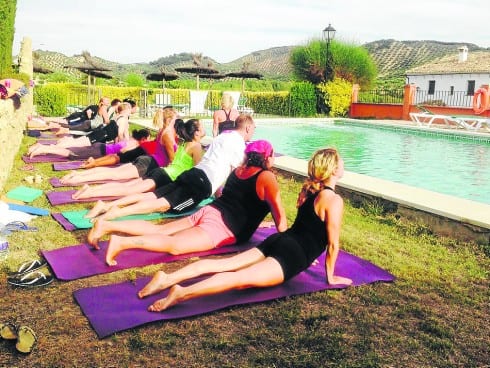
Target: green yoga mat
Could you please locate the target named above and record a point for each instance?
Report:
(24, 194)
(77, 219)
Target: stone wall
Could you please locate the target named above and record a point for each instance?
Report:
(13, 122)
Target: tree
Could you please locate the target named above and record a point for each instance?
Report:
(7, 27)
(349, 62)
(134, 80)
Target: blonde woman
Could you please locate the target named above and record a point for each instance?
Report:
(225, 118)
(279, 257)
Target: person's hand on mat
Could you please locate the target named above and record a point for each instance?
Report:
(339, 280)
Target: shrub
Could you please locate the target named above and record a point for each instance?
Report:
(50, 101)
(303, 99)
(337, 95)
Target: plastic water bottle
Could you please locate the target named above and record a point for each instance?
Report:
(4, 248)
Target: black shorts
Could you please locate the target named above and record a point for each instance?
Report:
(131, 155)
(187, 191)
(286, 250)
(145, 164)
(82, 153)
(160, 177)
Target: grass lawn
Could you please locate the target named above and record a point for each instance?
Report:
(436, 314)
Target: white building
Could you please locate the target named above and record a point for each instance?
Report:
(451, 80)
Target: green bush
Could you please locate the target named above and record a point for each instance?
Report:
(271, 103)
(50, 101)
(303, 99)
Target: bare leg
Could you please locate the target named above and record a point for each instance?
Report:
(128, 171)
(101, 207)
(135, 227)
(116, 189)
(162, 280)
(148, 205)
(49, 149)
(193, 239)
(264, 272)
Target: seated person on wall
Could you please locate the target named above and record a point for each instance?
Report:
(12, 89)
(250, 193)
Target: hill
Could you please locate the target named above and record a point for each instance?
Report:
(392, 58)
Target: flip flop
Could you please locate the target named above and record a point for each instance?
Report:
(8, 331)
(29, 266)
(16, 226)
(31, 280)
(26, 339)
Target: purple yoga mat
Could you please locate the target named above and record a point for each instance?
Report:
(67, 225)
(44, 158)
(69, 165)
(63, 197)
(113, 308)
(78, 261)
(55, 182)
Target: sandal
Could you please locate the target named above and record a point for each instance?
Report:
(29, 266)
(8, 331)
(31, 279)
(16, 226)
(26, 339)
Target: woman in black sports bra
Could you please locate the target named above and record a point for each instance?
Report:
(279, 257)
(224, 119)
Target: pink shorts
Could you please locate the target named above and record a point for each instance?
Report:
(209, 219)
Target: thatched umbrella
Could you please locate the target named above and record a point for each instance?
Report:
(198, 69)
(162, 76)
(244, 73)
(90, 67)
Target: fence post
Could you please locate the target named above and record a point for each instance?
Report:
(408, 99)
(355, 93)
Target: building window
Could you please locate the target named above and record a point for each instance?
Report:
(471, 88)
(432, 87)
(451, 90)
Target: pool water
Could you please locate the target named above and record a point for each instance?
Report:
(457, 167)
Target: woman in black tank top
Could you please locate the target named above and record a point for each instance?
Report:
(274, 261)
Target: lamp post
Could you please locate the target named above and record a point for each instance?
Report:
(328, 36)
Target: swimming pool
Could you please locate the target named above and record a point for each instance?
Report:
(446, 163)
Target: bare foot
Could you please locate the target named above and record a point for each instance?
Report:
(65, 178)
(100, 207)
(111, 213)
(83, 192)
(97, 232)
(113, 249)
(88, 163)
(174, 296)
(32, 148)
(159, 282)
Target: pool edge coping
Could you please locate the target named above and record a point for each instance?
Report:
(454, 208)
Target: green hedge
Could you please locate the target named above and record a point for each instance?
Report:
(300, 101)
(303, 99)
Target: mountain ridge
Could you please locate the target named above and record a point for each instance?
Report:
(392, 58)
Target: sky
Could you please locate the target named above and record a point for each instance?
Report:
(126, 31)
